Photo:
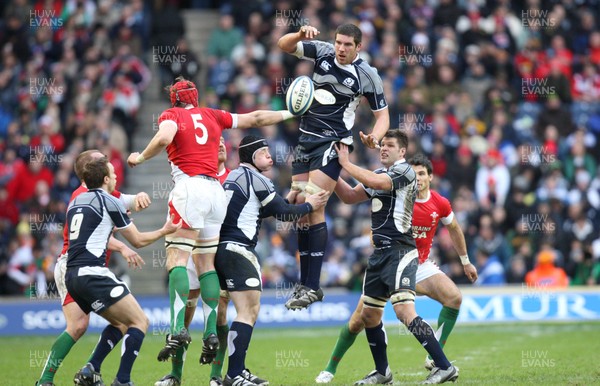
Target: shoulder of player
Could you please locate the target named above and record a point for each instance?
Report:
(259, 176)
(367, 69)
(435, 196)
(402, 168)
(108, 198)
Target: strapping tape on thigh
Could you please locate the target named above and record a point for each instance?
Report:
(203, 247)
(373, 302)
(312, 188)
(191, 303)
(181, 243)
(403, 297)
(299, 186)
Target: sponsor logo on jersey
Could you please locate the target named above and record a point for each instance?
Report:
(325, 66)
(405, 281)
(229, 283)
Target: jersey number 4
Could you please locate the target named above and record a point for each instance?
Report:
(199, 128)
(75, 226)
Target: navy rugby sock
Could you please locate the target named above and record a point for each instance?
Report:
(317, 245)
(377, 338)
(425, 335)
(238, 342)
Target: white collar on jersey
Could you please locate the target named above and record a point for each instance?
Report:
(422, 200)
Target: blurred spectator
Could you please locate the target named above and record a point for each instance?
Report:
(22, 187)
(223, 40)
(489, 240)
(554, 113)
(492, 181)
(490, 270)
(545, 274)
(578, 159)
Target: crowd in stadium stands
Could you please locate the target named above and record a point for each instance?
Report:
(504, 97)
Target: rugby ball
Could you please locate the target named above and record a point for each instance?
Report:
(300, 95)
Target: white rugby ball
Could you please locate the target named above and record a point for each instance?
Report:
(300, 95)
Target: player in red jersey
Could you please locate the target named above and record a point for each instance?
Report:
(77, 320)
(174, 378)
(191, 135)
(430, 208)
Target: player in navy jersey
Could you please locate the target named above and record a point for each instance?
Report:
(91, 217)
(77, 321)
(429, 210)
(392, 269)
(251, 197)
(341, 79)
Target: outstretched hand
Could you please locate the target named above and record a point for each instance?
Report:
(369, 140)
(133, 259)
(309, 32)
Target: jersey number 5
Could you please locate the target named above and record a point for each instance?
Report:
(199, 126)
(75, 226)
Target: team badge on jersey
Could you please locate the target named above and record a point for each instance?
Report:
(434, 217)
(348, 82)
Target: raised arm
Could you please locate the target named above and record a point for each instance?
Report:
(348, 194)
(288, 42)
(259, 118)
(382, 124)
(366, 177)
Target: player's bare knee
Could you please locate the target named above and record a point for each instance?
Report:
(177, 257)
(453, 299)
(76, 328)
(356, 325)
(143, 323)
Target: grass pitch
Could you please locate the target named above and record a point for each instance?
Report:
(487, 354)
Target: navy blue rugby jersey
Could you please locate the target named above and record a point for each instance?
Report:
(392, 210)
(338, 91)
(91, 217)
(247, 192)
